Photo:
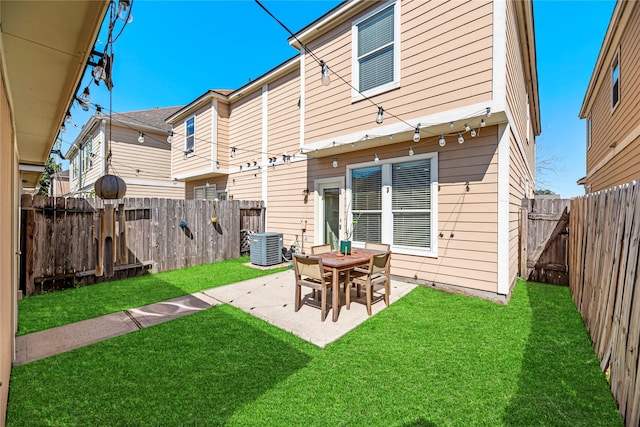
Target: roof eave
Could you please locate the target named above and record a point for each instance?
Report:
(599, 70)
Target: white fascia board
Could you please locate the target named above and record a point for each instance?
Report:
(302, 97)
(504, 142)
(316, 26)
(200, 173)
(23, 167)
(455, 115)
(278, 71)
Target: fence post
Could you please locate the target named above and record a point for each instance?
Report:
(524, 220)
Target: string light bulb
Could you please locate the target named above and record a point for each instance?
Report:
(376, 159)
(85, 99)
(460, 138)
(488, 111)
(411, 151)
(442, 141)
(335, 162)
(170, 137)
(466, 127)
(482, 123)
(325, 78)
(380, 113)
(416, 134)
(67, 117)
(473, 133)
(63, 128)
(141, 137)
(124, 11)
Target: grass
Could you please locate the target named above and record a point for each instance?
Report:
(430, 359)
(58, 308)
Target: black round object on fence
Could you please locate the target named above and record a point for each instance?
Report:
(110, 187)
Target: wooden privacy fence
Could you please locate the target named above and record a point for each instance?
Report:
(544, 240)
(60, 237)
(604, 282)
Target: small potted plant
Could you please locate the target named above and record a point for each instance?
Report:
(345, 245)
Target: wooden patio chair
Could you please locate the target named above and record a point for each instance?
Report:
(309, 273)
(377, 246)
(376, 273)
(320, 249)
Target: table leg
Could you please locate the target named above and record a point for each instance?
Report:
(335, 294)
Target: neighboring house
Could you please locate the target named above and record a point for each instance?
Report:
(611, 106)
(59, 37)
(327, 170)
(144, 166)
(59, 186)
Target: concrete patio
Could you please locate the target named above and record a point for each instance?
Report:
(270, 298)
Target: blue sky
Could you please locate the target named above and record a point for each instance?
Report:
(174, 51)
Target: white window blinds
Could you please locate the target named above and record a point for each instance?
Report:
(375, 49)
(366, 204)
(411, 204)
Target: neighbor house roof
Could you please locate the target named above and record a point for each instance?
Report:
(619, 20)
(141, 120)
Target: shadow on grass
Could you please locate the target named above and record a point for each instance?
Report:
(53, 309)
(560, 381)
(197, 370)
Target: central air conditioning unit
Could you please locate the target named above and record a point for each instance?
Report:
(266, 248)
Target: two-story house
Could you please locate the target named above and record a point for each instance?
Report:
(405, 122)
(610, 105)
(123, 140)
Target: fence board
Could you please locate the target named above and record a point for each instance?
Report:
(59, 238)
(604, 250)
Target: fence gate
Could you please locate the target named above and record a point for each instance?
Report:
(544, 231)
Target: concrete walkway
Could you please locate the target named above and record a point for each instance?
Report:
(270, 298)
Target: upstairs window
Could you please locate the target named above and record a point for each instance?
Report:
(190, 136)
(376, 47)
(615, 80)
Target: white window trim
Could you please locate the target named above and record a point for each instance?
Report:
(355, 66)
(387, 217)
(588, 131)
(616, 59)
(193, 152)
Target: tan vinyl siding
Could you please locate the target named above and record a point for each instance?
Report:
(223, 135)
(284, 114)
(466, 219)
(201, 157)
(446, 63)
(516, 86)
(612, 127)
(152, 158)
(287, 211)
(245, 130)
(246, 185)
(94, 169)
(152, 189)
(518, 176)
(8, 247)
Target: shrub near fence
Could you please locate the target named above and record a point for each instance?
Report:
(59, 237)
(604, 282)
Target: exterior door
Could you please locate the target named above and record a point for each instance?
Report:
(331, 222)
(329, 211)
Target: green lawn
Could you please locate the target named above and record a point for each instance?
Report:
(52, 309)
(430, 359)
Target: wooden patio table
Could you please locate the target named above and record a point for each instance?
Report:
(337, 263)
